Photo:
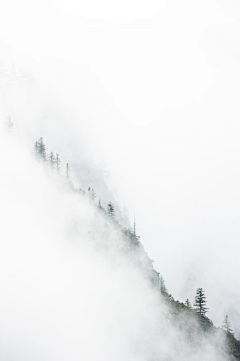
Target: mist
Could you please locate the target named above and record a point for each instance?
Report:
(142, 100)
(70, 287)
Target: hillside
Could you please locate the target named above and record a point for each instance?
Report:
(108, 261)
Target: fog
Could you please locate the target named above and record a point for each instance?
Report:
(142, 100)
(69, 290)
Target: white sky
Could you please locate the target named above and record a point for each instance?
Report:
(153, 89)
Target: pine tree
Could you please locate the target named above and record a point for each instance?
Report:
(188, 303)
(226, 325)
(67, 171)
(111, 211)
(52, 160)
(36, 148)
(40, 149)
(57, 163)
(200, 302)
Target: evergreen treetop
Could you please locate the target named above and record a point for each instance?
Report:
(40, 149)
(111, 211)
(57, 161)
(226, 325)
(188, 303)
(200, 302)
(67, 171)
(52, 160)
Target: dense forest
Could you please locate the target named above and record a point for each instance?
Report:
(187, 318)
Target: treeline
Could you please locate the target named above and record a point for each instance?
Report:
(191, 319)
(180, 311)
(54, 163)
(51, 159)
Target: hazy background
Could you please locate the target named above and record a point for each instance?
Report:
(69, 290)
(145, 95)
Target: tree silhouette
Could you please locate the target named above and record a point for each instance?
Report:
(188, 303)
(52, 160)
(57, 162)
(226, 325)
(67, 171)
(111, 211)
(200, 302)
(40, 149)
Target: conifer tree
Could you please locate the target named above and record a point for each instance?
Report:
(111, 211)
(67, 171)
(200, 302)
(52, 160)
(40, 149)
(57, 162)
(226, 325)
(163, 288)
(36, 148)
(188, 303)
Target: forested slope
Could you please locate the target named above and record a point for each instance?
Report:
(193, 331)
